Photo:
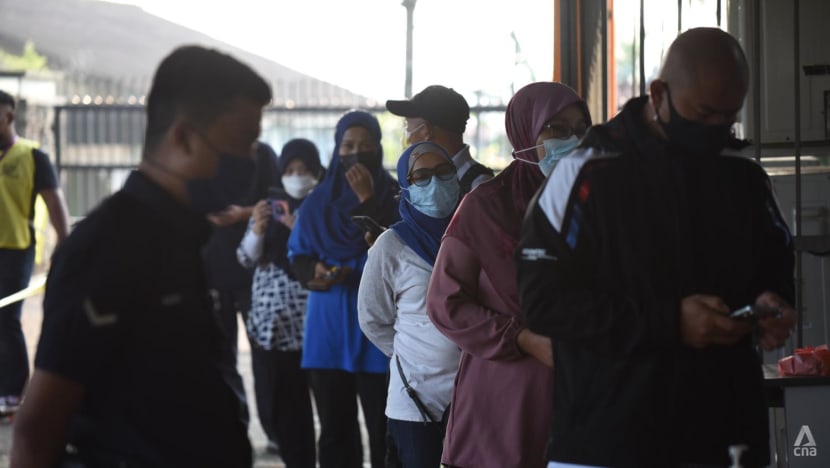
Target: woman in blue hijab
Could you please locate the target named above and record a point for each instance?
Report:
(392, 307)
(327, 253)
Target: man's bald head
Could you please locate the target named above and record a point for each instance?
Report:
(703, 55)
(701, 88)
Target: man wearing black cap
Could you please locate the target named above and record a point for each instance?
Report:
(439, 114)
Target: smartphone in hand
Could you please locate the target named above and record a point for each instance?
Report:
(278, 202)
(754, 312)
(369, 225)
(279, 208)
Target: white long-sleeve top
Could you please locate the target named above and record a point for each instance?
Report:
(251, 247)
(391, 307)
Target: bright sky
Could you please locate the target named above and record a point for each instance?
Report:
(361, 44)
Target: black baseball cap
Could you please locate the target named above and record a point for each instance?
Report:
(438, 105)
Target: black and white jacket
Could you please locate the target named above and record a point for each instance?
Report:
(621, 232)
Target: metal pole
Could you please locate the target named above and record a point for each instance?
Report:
(799, 290)
(634, 56)
(642, 49)
(604, 35)
(756, 79)
(477, 138)
(58, 143)
(718, 12)
(410, 10)
(679, 16)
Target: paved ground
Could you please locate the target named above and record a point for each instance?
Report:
(32, 316)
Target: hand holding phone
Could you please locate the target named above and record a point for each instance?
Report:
(775, 329)
(705, 322)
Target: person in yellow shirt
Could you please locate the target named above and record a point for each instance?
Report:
(25, 173)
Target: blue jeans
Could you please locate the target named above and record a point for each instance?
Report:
(417, 445)
(15, 272)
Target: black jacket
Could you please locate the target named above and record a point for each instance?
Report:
(622, 231)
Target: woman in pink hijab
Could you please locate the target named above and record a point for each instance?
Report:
(501, 406)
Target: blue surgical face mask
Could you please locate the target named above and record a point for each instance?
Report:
(234, 176)
(556, 149)
(437, 199)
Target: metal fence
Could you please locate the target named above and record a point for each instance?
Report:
(96, 146)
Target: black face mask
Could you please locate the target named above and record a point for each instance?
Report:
(370, 159)
(694, 137)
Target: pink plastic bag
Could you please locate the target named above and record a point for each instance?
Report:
(807, 361)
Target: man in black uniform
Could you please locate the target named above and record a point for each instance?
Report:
(127, 365)
(631, 259)
(230, 283)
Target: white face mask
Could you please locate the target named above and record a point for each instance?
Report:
(406, 136)
(298, 186)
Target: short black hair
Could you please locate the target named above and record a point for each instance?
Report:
(6, 98)
(198, 83)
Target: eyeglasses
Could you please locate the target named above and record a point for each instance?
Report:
(422, 177)
(563, 130)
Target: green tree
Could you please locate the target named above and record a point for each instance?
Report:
(29, 60)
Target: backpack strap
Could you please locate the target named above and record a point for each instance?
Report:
(422, 408)
(476, 170)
